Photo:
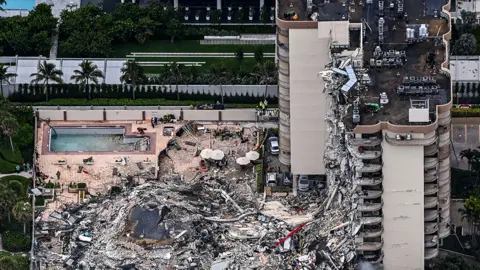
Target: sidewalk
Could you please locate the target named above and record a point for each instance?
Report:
(24, 174)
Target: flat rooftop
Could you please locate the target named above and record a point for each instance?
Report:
(465, 68)
(322, 10)
(412, 63)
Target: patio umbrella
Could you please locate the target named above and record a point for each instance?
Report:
(217, 155)
(243, 161)
(206, 153)
(252, 155)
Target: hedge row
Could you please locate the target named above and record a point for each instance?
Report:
(36, 93)
(15, 241)
(136, 102)
(25, 182)
(466, 112)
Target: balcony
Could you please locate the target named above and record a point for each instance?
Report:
(368, 181)
(430, 150)
(369, 168)
(444, 153)
(443, 232)
(361, 153)
(430, 163)
(431, 240)
(444, 165)
(444, 118)
(283, 55)
(430, 202)
(370, 220)
(370, 233)
(430, 189)
(444, 129)
(365, 142)
(444, 191)
(444, 139)
(430, 215)
(283, 84)
(373, 258)
(370, 194)
(444, 178)
(431, 253)
(283, 32)
(431, 227)
(430, 176)
(444, 203)
(369, 246)
(431, 138)
(284, 71)
(369, 207)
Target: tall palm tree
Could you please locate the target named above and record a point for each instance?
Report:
(132, 73)
(2, 2)
(88, 72)
(266, 74)
(9, 126)
(176, 73)
(5, 76)
(471, 212)
(472, 157)
(22, 211)
(47, 72)
(218, 75)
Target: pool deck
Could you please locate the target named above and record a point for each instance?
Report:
(129, 131)
(98, 176)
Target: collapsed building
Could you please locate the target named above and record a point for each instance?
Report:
(378, 127)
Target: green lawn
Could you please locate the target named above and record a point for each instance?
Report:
(248, 63)
(191, 46)
(462, 183)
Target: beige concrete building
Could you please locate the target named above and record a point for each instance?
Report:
(398, 124)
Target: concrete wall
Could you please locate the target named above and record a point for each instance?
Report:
(403, 207)
(137, 115)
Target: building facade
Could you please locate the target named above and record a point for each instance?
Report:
(397, 126)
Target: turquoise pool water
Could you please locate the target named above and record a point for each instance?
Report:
(19, 4)
(91, 139)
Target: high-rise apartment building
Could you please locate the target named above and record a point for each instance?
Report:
(395, 85)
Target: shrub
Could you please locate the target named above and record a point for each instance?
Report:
(7, 154)
(50, 185)
(82, 185)
(26, 182)
(466, 112)
(7, 167)
(15, 241)
(20, 262)
(16, 186)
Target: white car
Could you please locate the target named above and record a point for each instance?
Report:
(303, 183)
(273, 145)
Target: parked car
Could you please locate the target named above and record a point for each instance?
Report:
(273, 145)
(288, 179)
(303, 183)
(271, 179)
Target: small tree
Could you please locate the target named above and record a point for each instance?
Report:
(174, 29)
(216, 17)
(239, 55)
(9, 126)
(266, 72)
(22, 211)
(265, 15)
(465, 45)
(175, 72)
(5, 76)
(239, 16)
(218, 76)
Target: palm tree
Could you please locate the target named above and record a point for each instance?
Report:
(2, 2)
(9, 126)
(88, 72)
(22, 211)
(5, 76)
(8, 262)
(472, 156)
(471, 212)
(218, 76)
(176, 73)
(132, 73)
(266, 72)
(47, 72)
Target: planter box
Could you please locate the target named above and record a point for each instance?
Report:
(72, 190)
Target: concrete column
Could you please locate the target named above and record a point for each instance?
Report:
(219, 4)
(262, 3)
(175, 4)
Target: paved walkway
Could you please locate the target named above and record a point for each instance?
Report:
(24, 174)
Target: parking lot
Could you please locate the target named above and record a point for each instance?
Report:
(465, 134)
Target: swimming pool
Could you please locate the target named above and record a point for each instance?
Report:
(19, 4)
(95, 139)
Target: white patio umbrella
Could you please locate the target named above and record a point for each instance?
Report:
(206, 153)
(217, 155)
(252, 155)
(243, 161)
